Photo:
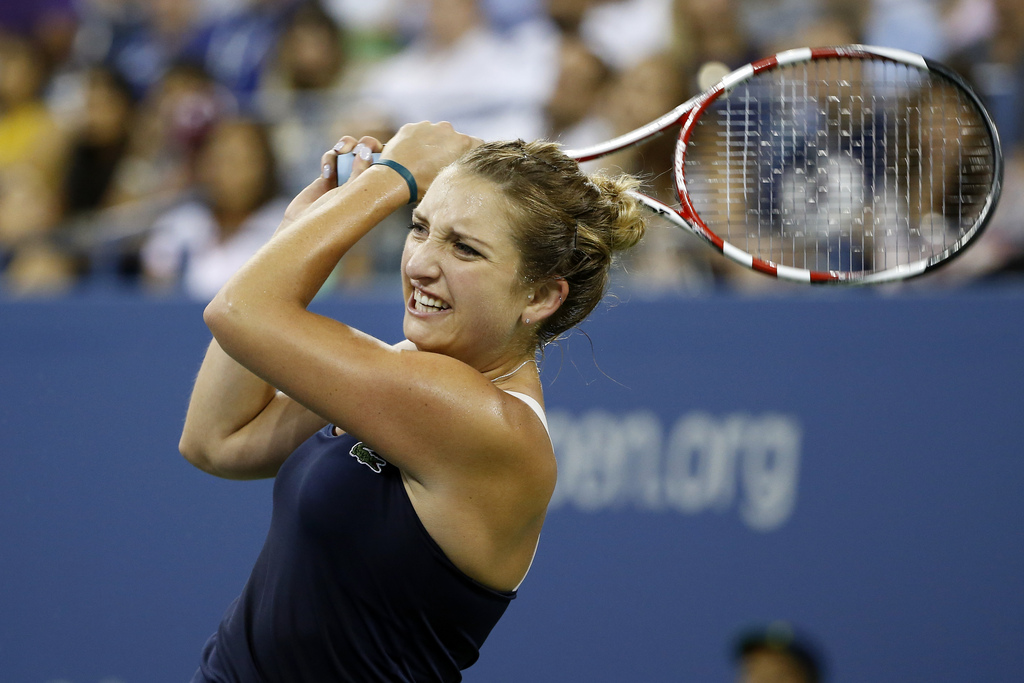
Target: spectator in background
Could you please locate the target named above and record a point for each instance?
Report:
(98, 141)
(139, 41)
(769, 25)
(709, 41)
(50, 24)
(98, 131)
(460, 69)
(914, 25)
(372, 28)
(33, 261)
(53, 25)
(639, 95)
(307, 95)
(235, 47)
(154, 170)
(625, 33)
(32, 150)
(29, 134)
(103, 26)
(25, 17)
(170, 126)
(308, 98)
(775, 654)
(992, 59)
(143, 40)
(567, 15)
(576, 111)
(199, 244)
(987, 43)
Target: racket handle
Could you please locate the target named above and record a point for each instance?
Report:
(345, 165)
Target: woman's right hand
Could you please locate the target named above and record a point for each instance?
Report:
(425, 148)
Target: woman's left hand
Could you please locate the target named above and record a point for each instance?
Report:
(328, 179)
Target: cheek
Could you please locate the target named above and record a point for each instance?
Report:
(499, 304)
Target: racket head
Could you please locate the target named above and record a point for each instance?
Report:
(849, 164)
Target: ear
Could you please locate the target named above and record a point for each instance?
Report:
(543, 299)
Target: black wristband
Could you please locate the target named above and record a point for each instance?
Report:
(404, 172)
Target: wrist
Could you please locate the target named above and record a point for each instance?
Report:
(406, 174)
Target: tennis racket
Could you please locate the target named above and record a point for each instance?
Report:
(849, 164)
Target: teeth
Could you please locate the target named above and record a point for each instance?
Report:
(423, 300)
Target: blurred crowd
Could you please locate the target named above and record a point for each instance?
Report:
(154, 144)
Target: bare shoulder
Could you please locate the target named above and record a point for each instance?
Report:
(447, 426)
(488, 513)
(509, 448)
(522, 470)
(525, 416)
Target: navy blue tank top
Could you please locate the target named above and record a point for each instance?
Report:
(349, 585)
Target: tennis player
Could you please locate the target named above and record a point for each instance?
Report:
(411, 480)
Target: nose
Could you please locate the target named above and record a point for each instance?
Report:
(420, 260)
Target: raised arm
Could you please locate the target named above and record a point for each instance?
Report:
(239, 426)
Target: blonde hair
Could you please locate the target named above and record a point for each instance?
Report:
(567, 224)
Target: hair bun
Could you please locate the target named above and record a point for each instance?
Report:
(628, 220)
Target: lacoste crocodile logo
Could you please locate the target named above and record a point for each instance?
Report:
(366, 456)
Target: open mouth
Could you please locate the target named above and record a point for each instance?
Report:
(422, 303)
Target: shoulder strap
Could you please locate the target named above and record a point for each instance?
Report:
(532, 402)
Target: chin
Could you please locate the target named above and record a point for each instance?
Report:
(417, 335)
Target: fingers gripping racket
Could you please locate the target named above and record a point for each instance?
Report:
(831, 165)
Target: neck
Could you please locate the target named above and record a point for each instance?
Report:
(514, 370)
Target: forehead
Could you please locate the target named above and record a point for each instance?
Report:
(463, 201)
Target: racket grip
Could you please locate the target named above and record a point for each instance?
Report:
(345, 165)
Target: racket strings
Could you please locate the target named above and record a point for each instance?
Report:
(841, 165)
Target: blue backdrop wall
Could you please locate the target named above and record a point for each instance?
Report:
(851, 463)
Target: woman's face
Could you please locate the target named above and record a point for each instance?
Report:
(463, 295)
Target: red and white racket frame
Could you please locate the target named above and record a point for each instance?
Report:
(687, 114)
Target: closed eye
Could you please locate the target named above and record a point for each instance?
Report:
(465, 249)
